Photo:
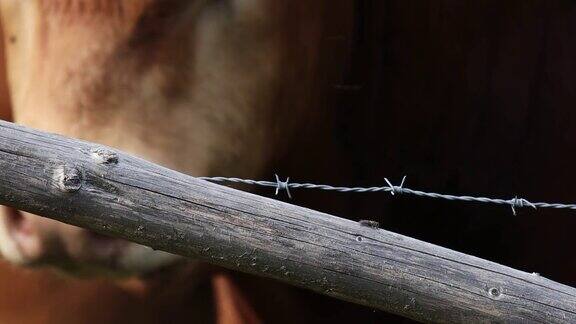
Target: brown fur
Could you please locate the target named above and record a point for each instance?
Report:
(205, 87)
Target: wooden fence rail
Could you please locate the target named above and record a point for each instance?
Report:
(111, 192)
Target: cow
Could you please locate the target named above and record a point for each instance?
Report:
(465, 97)
(203, 87)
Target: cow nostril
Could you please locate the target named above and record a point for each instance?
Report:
(15, 215)
(17, 221)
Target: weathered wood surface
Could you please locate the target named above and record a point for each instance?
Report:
(114, 193)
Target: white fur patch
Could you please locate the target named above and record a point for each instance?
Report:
(8, 247)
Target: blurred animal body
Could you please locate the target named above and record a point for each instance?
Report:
(180, 83)
(462, 96)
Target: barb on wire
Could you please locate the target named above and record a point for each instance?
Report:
(395, 189)
(282, 185)
(514, 203)
(520, 203)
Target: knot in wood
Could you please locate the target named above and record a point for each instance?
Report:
(104, 156)
(68, 178)
(494, 293)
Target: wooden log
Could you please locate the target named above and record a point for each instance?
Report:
(111, 192)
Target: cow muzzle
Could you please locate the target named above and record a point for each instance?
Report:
(30, 240)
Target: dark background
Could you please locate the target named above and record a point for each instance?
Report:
(463, 97)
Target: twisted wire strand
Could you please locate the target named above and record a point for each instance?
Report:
(393, 190)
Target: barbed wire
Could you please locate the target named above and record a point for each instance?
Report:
(392, 189)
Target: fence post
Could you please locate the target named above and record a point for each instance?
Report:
(111, 192)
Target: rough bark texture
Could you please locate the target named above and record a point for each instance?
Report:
(114, 193)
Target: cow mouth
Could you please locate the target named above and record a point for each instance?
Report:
(19, 242)
(104, 246)
(30, 241)
(38, 247)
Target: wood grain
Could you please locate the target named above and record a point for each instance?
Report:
(111, 192)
